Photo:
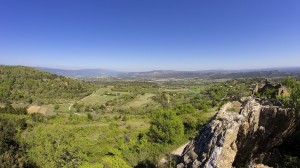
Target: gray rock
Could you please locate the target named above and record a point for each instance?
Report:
(233, 139)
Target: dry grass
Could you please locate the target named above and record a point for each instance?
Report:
(236, 107)
(45, 109)
(99, 97)
(140, 100)
(33, 109)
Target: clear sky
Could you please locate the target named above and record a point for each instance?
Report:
(140, 35)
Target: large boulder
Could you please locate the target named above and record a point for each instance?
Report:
(239, 134)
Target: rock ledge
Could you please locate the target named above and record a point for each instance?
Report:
(239, 134)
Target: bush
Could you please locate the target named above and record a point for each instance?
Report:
(291, 162)
(36, 117)
(11, 152)
(56, 106)
(90, 116)
(114, 161)
(185, 109)
(54, 147)
(166, 127)
(10, 110)
(190, 124)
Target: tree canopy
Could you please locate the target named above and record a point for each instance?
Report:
(166, 127)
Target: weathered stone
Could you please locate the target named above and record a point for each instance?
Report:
(279, 90)
(234, 139)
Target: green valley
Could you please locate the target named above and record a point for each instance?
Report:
(56, 121)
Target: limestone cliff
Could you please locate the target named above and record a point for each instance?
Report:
(240, 134)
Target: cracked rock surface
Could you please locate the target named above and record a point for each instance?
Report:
(235, 138)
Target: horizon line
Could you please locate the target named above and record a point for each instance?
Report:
(213, 69)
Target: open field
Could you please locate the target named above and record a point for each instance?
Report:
(176, 90)
(64, 107)
(140, 100)
(101, 96)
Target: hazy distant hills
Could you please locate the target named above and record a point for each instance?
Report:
(216, 74)
(162, 74)
(211, 74)
(81, 72)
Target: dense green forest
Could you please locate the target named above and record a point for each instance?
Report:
(29, 85)
(116, 123)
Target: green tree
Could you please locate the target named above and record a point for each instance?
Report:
(166, 127)
(290, 82)
(185, 109)
(114, 162)
(295, 96)
(11, 152)
(190, 124)
(54, 146)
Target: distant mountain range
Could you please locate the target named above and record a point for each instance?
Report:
(159, 74)
(81, 72)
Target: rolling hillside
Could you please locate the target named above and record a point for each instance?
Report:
(26, 84)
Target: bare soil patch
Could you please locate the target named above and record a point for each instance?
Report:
(33, 109)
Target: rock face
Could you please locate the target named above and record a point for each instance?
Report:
(235, 138)
(278, 89)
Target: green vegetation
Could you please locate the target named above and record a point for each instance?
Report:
(29, 85)
(8, 108)
(166, 127)
(109, 124)
(12, 152)
(291, 147)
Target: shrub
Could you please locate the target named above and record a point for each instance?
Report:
(166, 127)
(114, 161)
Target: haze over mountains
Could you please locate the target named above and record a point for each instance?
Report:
(80, 72)
(217, 73)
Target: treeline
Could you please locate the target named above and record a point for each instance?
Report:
(8, 108)
(135, 87)
(25, 84)
(213, 96)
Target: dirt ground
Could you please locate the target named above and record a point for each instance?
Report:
(36, 109)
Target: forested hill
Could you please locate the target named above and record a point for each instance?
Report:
(29, 85)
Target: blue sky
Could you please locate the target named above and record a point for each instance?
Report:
(141, 35)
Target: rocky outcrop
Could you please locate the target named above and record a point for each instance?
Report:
(235, 138)
(276, 89)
